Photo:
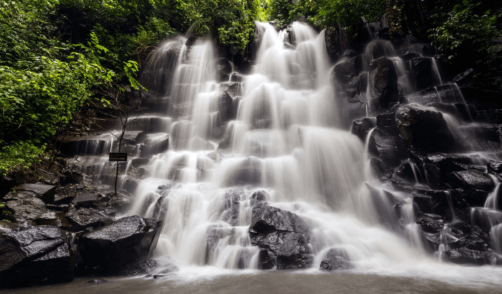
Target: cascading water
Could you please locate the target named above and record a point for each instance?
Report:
(280, 131)
(285, 139)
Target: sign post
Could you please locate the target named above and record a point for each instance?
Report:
(118, 157)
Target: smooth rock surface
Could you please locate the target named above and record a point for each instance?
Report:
(124, 241)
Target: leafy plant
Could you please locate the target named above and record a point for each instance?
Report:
(463, 29)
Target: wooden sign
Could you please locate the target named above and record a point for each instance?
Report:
(118, 157)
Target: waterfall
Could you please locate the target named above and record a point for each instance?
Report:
(280, 129)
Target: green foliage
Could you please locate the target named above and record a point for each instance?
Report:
(324, 13)
(232, 21)
(43, 81)
(466, 29)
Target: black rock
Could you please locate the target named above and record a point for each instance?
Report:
(472, 180)
(125, 241)
(389, 147)
(26, 210)
(85, 200)
(84, 218)
(423, 73)
(265, 261)
(142, 266)
(42, 191)
(465, 256)
(259, 199)
(64, 195)
(35, 255)
(232, 204)
(346, 70)
(71, 177)
(361, 127)
(335, 259)
(384, 89)
(485, 218)
(435, 167)
(425, 130)
(6, 226)
(283, 234)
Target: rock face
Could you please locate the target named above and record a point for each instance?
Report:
(283, 235)
(35, 255)
(26, 210)
(361, 127)
(384, 89)
(38, 190)
(127, 240)
(472, 179)
(385, 141)
(425, 130)
(423, 73)
(336, 259)
(86, 218)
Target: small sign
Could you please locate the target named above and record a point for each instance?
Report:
(118, 157)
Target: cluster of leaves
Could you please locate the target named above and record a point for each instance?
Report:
(325, 13)
(232, 21)
(467, 28)
(4, 213)
(130, 28)
(43, 81)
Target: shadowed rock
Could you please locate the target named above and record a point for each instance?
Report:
(336, 259)
(35, 255)
(127, 240)
(284, 235)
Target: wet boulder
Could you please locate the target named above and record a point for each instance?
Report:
(335, 259)
(265, 260)
(425, 130)
(259, 198)
(84, 218)
(34, 255)
(126, 240)
(484, 136)
(346, 70)
(39, 190)
(71, 177)
(26, 210)
(485, 218)
(435, 167)
(460, 111)
(64, 195)
(85, 200)
(139, 267)
(283, 234)
(424, 73)
(6, 226)
(232, 204)
(214, 234)
(384, 89)
(465, 256)
(495, 167)
(226, 107)
(472, 180)
(385, 142)
(361, 127)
